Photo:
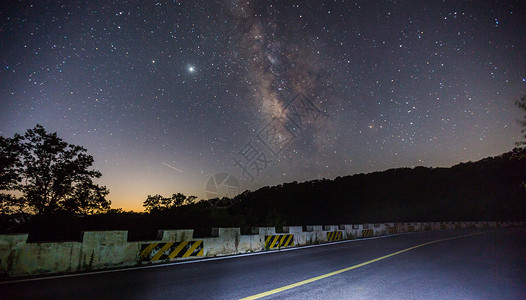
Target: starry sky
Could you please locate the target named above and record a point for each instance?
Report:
(165, 94)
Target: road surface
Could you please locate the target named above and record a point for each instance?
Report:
(448, 264)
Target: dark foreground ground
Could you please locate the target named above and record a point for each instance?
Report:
(489, 265)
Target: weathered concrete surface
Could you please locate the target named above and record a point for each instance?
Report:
(177, 235)
(102, 249)
(10, 247)
(224, 241)
(45, 258)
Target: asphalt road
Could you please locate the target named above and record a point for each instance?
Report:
(488, 265)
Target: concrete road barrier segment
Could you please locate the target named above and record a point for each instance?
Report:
(278, 241)
(106, 249)
(334, 236)
(161, 251)
(367, 233)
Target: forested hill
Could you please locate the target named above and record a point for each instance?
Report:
(489, 189)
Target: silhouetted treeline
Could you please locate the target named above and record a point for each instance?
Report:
(490, 189)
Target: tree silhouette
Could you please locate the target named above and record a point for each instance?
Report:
(158, 202)
(9, 161)
(49, 174)
(522, 105)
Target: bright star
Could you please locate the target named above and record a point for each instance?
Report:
(191, 69)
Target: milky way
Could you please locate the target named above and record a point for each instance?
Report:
(165, 94)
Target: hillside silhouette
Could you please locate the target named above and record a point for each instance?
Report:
(487, 190)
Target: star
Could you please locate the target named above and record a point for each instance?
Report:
(198, 96)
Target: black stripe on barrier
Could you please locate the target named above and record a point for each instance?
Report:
(367, 233)
(442, 226)
(162, 251)
(410, 228)
(393, 230)
(279, 241)
(334, 236)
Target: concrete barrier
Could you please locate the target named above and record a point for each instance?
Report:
(110, 249)
(392, 228)
(334, 235)
(279, 241)
(165, 251)
(367, 233)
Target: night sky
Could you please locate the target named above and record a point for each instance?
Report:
(166, 94)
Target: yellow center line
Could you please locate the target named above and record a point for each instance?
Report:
(291, 286)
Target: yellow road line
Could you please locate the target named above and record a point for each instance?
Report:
(291, 286)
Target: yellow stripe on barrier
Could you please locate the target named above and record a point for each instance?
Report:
(367, 233)
(282, 240)
(267, 240)
(275, 241)
(161, 251)
(334, 236)
(278, 241)
(192, 249)
(178, 249)
(289, 240)
(393, 230)
(147, 250)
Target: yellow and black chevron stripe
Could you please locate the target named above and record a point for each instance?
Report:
(410, 228)
(442, 226)
(334, 236)
(161, 251)
(486, 225)
(278, 241)
(393, 230)
(367, 233)
(457, 226)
